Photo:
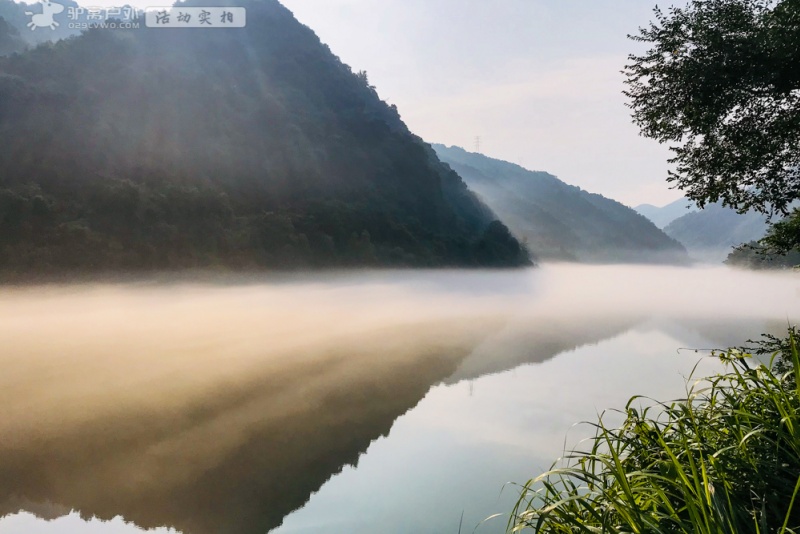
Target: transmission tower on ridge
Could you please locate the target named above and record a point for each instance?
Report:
(477, 143)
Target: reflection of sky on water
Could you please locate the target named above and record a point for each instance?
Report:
(26, 523)
(463, 442)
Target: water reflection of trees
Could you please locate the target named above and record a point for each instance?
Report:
(237, 460)
(239, 456)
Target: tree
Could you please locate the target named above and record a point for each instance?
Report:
(362, 75)
(783, 236)
(758, 255)
(721, 84)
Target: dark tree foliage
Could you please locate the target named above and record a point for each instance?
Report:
(721, 84)
(161, 149)
(783, 236)
(753, 255)
(780, 248)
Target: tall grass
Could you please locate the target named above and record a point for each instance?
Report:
(724, 460)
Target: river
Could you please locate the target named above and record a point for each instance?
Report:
(390, 401)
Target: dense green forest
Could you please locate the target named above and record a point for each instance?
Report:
(560, 221)
(159, 148)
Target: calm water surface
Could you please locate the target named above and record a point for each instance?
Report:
(392, 401)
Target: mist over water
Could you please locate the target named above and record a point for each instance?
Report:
(224, 405)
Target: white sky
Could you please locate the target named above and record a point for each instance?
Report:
(538, 80)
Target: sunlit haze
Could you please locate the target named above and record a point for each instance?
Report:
(293, 266)
(538, 81)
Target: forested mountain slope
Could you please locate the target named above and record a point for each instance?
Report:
(10, 39)
(173, 148)
(560, 221)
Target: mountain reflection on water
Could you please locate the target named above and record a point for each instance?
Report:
(223, 406)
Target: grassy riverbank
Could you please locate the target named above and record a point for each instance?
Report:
(724, 460)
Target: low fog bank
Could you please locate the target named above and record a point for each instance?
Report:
(191, 404)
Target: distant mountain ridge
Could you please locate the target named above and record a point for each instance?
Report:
(711, 233)
(662, 216)
(559, 221)
(243, 148)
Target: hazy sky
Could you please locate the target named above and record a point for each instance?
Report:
(538, 80)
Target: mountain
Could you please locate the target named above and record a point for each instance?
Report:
(711, 233)
(10, 39)
(662, 216)
(157, 148)
(708, 234)
(15, 14)
(560, 221)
